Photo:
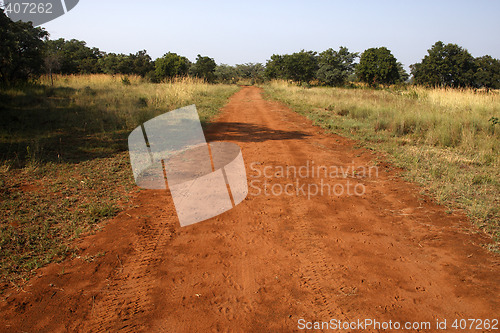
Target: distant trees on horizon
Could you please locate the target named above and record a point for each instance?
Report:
(27, 52)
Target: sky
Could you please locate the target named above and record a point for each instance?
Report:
(235, 32)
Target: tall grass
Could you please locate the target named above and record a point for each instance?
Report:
(131, 100)
(64, 165)
(446, 139)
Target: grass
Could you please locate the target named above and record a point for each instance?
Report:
(64, 164)
(446, 140)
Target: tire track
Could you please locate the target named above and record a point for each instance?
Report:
(126, 304)
(315, 268)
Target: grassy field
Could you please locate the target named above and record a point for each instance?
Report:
(446, 140)
(64, 165)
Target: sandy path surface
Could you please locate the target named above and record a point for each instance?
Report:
(378, 250)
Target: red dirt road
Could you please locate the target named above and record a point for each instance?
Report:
(388, 254)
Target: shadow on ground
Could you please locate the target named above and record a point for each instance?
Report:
(44, 124)
(242, 132)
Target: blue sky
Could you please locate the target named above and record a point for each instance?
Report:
(235, 32)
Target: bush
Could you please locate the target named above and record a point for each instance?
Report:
(126, 81)
(170, 66)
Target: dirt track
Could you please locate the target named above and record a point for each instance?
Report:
(390, 254)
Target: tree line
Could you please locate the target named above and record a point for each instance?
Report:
(445, 65)
(26, 52)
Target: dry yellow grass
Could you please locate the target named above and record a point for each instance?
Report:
(134, 99)
(439, 117)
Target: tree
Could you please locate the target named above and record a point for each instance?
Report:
(445, 65)
(204, 68)
(113, 63)
(275, 68)
(487, 72)
(21, 52)
(141, 63)
(299, 66)
(378, 66)
(75, 56)
(171, 65)
(254, 72)
(334, 67)
(226, 74)
(403, 75)
(52, 62)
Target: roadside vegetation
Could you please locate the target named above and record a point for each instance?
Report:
(447, 140)
(64, 164)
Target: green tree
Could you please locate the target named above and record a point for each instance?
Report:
(403, 75)
(378, 66)
(141, 63)
(299, 66)
(487, 72)
(171, 65)
(21, 50)
(52, 62)
(445, 65)
(252, 71)
(275, 68)
(226, 74)
(204, 68)
(334, 67)
(111, 63)
(75, 56)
